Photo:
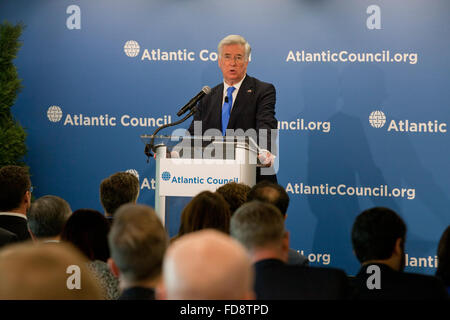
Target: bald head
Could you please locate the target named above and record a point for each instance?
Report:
(37, 271)
(206, 265)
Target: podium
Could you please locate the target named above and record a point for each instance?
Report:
(188, 165)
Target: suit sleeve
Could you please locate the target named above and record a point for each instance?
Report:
(265, 115)
(197, 117)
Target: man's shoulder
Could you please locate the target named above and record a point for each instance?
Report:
(257, 83)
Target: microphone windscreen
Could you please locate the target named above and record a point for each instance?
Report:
(206, 89)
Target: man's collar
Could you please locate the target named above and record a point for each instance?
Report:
(236, 85)
(13, 214)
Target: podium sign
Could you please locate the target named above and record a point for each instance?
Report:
(176, 179)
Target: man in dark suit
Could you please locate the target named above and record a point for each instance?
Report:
(15, 200)
(378, 238)
(6, 237)
(275, 194)
(138, 242)
(260, 228)
(240, 102)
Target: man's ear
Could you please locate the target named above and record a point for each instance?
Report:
(160, 291)
(113, 268)
(399, 246)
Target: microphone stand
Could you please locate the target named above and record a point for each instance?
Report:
(150, 147)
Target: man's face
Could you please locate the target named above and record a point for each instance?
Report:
(233, 64)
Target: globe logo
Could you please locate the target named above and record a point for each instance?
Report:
(133, 172)
(131, 48)
(54, 113)
(377, 119)
(165, 176)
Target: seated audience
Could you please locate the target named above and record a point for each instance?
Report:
(138, 242)
(275, 194)
(205, 210)
(7, 237)
(235, 194)
(88, 230)
(206, 265)
(37, 271)
(47, 217)
(15, 200)
(443, 254)
(260, 228)
(116, 190)
(378, 238)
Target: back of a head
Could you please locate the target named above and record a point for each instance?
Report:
(36, 271)
(118, 189)
(14, 183)
(138, 242)
(205, 210)
(272, 193)
(207, 265)
(235, 194)
(375, 232)
(88, 229)
(257, 225)
(443, 254)
(47, 216)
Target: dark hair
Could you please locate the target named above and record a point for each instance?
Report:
(205, 210)
(375, 233)
(88, 230)
(14, 183)
(443, 253)
(235, 194)
(272, 193)
(257, 224)
(118, 189)
(48, 215)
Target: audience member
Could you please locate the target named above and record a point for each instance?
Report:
(116, 190)
(260, 228)
(443, 254)
(275, 194)
(7, 237)
(205, 210)
(47, 217)
(15, 200)
(235, 194)
(88, 230)
(206, 265)
(378, 238)
(37, 271)
(138, 242)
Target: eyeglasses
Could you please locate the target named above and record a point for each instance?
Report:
(229, 58)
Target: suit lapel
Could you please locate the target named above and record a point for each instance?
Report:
(216, 103)
(243, 97)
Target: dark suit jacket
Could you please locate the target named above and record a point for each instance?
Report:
(7, 237)
(138, 293)
(275, 280)
(253, 108)
(16, 225)
(397, 285)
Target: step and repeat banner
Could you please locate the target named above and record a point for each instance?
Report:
(363, 104)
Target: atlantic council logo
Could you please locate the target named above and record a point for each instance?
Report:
(54, 114)
(133, 172)
(377, 119)
(131, 48)
(165, 175)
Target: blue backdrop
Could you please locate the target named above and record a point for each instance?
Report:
(362, 100)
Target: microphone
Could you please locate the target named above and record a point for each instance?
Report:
(205, 90)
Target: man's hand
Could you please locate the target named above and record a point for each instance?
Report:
(266, 158)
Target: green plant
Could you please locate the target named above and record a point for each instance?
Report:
(12, 134)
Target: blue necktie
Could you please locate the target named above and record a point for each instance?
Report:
(226, 109)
